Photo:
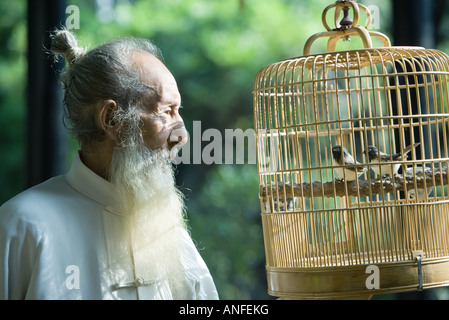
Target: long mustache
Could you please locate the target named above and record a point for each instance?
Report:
(176, 125)
(178, 132)
(177, 138)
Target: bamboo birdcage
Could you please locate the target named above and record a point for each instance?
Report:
(324, 234)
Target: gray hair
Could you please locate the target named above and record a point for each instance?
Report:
(105, 72)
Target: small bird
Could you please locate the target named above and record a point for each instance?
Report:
(377, 156)
(351, 170)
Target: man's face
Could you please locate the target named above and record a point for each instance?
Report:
(153, 206)
(162, 125)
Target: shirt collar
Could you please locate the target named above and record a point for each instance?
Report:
(88, 183)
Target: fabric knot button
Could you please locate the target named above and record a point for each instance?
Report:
(139, 282)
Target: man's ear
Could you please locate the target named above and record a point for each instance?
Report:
(105, 118)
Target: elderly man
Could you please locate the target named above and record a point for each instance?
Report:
(113, 226)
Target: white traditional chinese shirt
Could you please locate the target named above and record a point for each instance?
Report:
(59, 240)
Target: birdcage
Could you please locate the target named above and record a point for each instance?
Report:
(338, 224)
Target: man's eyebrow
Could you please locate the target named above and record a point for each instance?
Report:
(151, 95)
(148, 87)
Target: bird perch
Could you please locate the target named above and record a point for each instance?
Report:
(357, 188)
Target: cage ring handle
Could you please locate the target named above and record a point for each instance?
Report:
(350, 28)
(369, 17)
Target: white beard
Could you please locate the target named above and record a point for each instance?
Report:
(153, 208)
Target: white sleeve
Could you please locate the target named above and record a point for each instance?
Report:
(204, 284)
(18, 251)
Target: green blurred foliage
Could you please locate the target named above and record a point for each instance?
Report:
(12, 97)
(214, 49)
(225, 223)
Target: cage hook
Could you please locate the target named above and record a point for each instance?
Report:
(418, 259)
(346, 22)
(417, 254)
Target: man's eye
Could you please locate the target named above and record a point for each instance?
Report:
(166, 111)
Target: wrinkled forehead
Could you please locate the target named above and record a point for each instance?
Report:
(153, 72)
(156, 76)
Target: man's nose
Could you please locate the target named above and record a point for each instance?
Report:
(178, 136)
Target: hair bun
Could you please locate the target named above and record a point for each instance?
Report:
(64, 43)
